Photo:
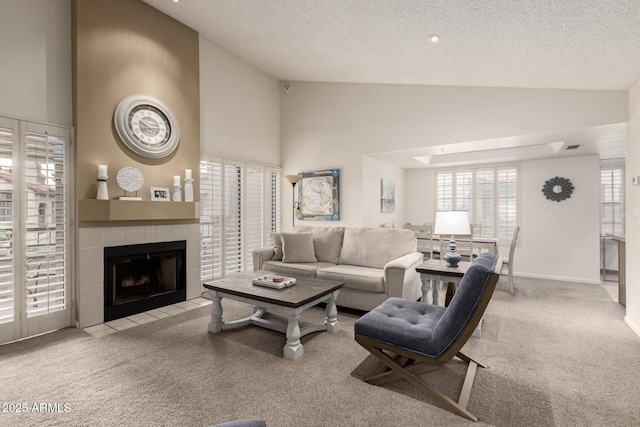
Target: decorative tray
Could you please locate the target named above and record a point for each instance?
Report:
(276, 282)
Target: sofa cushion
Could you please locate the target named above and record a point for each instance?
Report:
(374, 247)
(277, 246)
(354, 277)
(298, 269)
(327, 241)
(298, 247)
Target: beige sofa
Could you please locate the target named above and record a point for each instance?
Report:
(373, 263)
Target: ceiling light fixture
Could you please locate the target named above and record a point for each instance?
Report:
(434, 38)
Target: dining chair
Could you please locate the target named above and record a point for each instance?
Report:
(424, 236)
(476, 229)
(509, 261)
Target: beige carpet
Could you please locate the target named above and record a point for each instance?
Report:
(559, 354)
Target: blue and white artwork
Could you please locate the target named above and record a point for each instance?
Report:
(387, 196)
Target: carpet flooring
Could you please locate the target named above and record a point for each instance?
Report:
(558, 354)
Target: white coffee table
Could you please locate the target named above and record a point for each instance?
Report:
(290, 302)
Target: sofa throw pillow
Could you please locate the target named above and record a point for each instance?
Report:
(298, 247)
(327, 241)
(277, 247)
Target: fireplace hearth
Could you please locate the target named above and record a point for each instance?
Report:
(142, 277)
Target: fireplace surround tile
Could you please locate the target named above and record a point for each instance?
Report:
(90, 271)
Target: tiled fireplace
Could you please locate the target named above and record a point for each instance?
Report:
(92, 242)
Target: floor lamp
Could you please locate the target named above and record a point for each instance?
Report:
(293, 179)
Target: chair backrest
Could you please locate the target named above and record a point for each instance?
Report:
(424, 236)
(467, 306)
(512, 249)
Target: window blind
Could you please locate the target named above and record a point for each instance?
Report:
(6, 227)
(46, 234)
(239, 209)
(612, 201)
(490, 195)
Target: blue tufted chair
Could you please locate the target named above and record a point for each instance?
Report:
(429, 336)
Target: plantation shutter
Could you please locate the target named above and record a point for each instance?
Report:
(612, 201)
(211, 220)
(507, 203)
(7, 249)
(253, 215)
(484, 212)
(272, 201)
(46, 234)
(239, 209)
(233, 199)
(490, 195)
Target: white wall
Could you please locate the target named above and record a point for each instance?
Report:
(373, 171)
(632, 199)
(560, 239)
(239, 108)
(35, 76)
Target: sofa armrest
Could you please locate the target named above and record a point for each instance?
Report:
(401, 278)
(260, 256)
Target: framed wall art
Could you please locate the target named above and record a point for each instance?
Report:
(387, 196)
(318, 195)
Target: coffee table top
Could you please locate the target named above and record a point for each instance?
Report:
(305, 290)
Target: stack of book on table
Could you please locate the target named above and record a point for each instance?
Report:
(276, 282)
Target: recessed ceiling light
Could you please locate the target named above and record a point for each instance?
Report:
(434, 38)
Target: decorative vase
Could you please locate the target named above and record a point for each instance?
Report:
(177, 194)
(188, 190)
(103, 192)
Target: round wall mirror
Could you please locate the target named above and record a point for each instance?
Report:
(557, 189)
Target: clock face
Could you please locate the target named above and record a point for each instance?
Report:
(149, 125)
(146, 126)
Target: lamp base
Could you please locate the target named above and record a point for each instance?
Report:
(452, 259)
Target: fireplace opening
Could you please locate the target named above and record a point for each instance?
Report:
(142, 277)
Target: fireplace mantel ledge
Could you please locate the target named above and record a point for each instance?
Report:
(135, 210)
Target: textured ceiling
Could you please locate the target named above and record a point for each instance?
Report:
(561, 44)
(569, 44)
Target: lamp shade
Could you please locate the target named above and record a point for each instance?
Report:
(293, 178)
(452, 223)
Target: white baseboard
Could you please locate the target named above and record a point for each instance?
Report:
(560, 278)
(632, 325)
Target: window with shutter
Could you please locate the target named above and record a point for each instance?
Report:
(239, 209)
(6, 226)
(34, 229)
(612, 200)
(490, 195)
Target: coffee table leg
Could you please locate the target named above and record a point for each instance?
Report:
(215, 325)
(332, 314)
(293, 349)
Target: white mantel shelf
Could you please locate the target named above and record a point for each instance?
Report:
(135, 210)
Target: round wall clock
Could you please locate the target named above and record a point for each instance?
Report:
(146, 126)
(557, 189)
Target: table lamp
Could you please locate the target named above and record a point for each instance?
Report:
(452, 223)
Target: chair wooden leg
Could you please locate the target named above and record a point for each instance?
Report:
(512, 288)
(457, 408)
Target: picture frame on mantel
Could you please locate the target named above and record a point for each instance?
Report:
(160, 194)
(318, 195)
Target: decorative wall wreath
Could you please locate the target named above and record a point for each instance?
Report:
(557, 189)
